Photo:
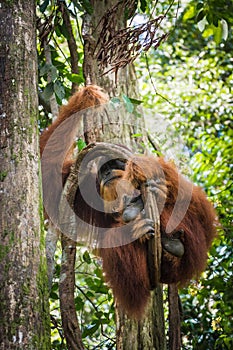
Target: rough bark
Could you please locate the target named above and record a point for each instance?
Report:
(148, 334)
(24, 311)
(174, 318)
(118, 127)
(66, 291)
(74, 57)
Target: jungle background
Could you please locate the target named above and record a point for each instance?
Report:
(184, 80)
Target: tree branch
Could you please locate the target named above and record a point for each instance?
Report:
(74, 58)
(66, 292)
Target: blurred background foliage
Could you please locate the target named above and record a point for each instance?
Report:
(188, 83)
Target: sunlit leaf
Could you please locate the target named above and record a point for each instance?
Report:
(201, 25)
(190, 13)
(81, 144)
(218, 33)
(224, 29)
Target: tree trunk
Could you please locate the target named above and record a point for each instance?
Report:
(124, 125)
(66, 291)
(148, 334)
(174, 318)
(24, 311)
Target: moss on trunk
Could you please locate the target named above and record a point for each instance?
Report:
(24, 309)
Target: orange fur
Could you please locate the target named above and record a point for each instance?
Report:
(86, 97)
(198, 223)
(58, 157)
(125, 266)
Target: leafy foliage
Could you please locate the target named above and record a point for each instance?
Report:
(93, 302)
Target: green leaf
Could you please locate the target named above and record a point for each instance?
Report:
(53, 73)
(55, 287)
(90, 294)
(64, 31)
(99, 314)
(202, 24)
(57, 30)
(115, 100)
(75, 78)
(87, 6)
(134, 101)
(98, 272)
(86, 257)
(128, 104)
(101, 289)
(59, 90)
(143, 5)
(44, 69)
(200, 15)
(81, 144)
(88, 331)
(190, 13)
(50, 70)
(215, 21)
(54, 296)
(218, 34)
(209, 17)
(48, 91)
(199, 6)
(44, 6)
(60, 65)
(79, 303)
(136, 135)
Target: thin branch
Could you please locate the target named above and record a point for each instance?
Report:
(71, 43)
(66, 293)
(174, 318)
(77, 24)
(58, 327)
(96, 309)
(153, 10)
(152, 83)
(154, 144)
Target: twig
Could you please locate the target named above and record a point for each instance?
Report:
(71, 43)
(152, 83)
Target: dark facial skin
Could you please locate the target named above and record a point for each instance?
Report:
(132, 207)
(105, 173)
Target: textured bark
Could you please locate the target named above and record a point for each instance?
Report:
(174, 318)
(66, 291)
(148, 334)
(24, 311)
(74, 57)
(118, 127)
